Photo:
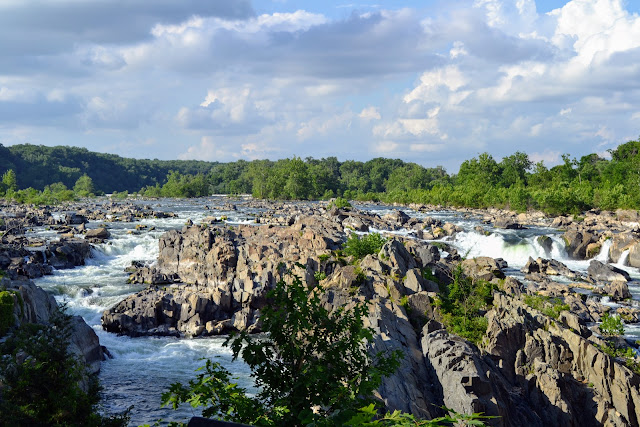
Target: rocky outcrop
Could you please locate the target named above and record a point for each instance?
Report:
(567, 378)
(34, 305)
(576, 243)
(601, 272)
(549, 267)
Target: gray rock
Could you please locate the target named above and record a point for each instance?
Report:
(599, 271)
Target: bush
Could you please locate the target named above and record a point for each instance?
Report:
(340, 203)
(41, 380)
(463, 304)
(359, 247)
(6, 311)
(551, 307)
(611, 325)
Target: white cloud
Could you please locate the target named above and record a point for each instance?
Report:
(549, 157)
(370, 113)
(208, 149)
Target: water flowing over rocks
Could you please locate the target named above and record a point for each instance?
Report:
(531, 369)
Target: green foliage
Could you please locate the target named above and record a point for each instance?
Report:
(626, 354)
(611, 325)
(359, 247)
(313, 367)
(514, 182)
(320, 275)
(41, 380)
(340, 203)
(84, 186)
(9, 180)
(551, 307)
(463, 304)
(6, 311)
(368, 417)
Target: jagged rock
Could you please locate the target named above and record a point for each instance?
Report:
(425, 253)
(414, 283)
(561, 222)
(555, 364)
(74, 219)
(512, 286)
(617, 290)
(451, 229)
(35, 305)
(467, 382)
(599, 271)
(621, 242)
(399, 259)
(576, 243)
(549, 267)
(482, 268)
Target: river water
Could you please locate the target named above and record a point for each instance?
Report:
(143, 368)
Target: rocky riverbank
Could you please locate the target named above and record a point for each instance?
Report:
(535, 366)
(25, 256)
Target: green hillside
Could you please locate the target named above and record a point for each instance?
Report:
(38, 165)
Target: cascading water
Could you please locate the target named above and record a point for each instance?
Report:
(141, 368)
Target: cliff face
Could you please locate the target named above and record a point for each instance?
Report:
(531, 369)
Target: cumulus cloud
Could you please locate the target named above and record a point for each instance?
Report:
(426, 85)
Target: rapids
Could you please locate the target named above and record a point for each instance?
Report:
(142, 368)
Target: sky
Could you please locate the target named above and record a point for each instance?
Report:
(433, 82)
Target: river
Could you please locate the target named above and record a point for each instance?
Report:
(143, 368)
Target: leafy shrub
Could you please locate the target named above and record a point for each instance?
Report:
(463, 304)
(359, 247)
(319, 275)
(6, 311)
(340, 203)
(627, 355)
(611, 325)
(41, 380)
(551, 307)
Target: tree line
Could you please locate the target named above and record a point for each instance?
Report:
(514, 182)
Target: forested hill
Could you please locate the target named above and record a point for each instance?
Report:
(38, 165)
(515, 182)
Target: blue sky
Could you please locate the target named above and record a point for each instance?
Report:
(434, 82)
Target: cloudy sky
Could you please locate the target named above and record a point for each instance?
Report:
(434, 82)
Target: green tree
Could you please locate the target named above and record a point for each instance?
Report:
(298, 184)
(42, 381)
(313, 367)
(10, 180)
(84, 186)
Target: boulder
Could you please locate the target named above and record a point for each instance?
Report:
(601, 272)
(576, 243)
(507, 223)
(618, 290)
(100, 233)
(621, 242)
(482, 268)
